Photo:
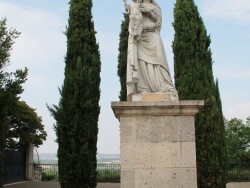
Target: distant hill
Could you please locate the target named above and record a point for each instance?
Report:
(108, 158)
(46, 158)
(51, 158)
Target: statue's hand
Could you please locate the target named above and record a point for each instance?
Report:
(148, 26)
(144, 9)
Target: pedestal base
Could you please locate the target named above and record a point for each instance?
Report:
(157, 143)
(168, 96)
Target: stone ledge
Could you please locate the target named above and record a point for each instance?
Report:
(156, 108)
(169, 96)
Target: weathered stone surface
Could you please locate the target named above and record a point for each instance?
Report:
(166, 178)
(147, 155)
(127, 129)
(127, 178)
(188, 154)
(157, 129)
(157, 143)
(166, 154)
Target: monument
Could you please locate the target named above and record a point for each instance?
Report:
(157, 130)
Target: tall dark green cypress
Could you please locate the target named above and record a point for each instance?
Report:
(78, 110)
(194, 81)
(122, 57)
(222, 132)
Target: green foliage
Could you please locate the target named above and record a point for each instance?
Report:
(108, 175)
(222, 152)
(238, 140)
(25, 126)
(48, 177)
(239, 172)
(194, 81)
(19, 124)
(78, 110)
(9, 88)
(122, 57)
(3, 131)
(7, 38)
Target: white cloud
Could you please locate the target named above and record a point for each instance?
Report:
(240, 111)
(41, 39)
(108, 43)
(236, 11)
(108, 135)
(41, 47)
(233, 73)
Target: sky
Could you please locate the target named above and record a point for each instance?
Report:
(41, 48)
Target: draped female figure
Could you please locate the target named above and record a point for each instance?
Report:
(147, 67)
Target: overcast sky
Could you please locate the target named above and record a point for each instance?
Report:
(42, 47)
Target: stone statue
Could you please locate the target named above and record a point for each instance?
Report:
(147, 67)
(135, 19)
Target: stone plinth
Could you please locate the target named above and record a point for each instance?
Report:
(157, 143)
(154, 97)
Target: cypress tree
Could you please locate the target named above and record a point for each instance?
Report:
(122, 57)
(222, 152)
(194, 81)
(78, 110)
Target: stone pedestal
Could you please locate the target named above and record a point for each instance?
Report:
(157, 143)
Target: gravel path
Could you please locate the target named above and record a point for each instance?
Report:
(55, 185)
(238, 185)
(100, 185)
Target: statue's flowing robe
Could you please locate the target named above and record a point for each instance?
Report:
(147, 67)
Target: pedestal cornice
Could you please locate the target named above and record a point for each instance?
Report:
(156, 108)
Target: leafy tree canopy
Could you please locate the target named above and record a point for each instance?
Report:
(10, 85)
(25, 126)
(238, 140)
(18, 120)
(7, 38)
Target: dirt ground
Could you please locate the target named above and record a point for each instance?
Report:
(238, 185)
(100, 185)
(55, 185)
